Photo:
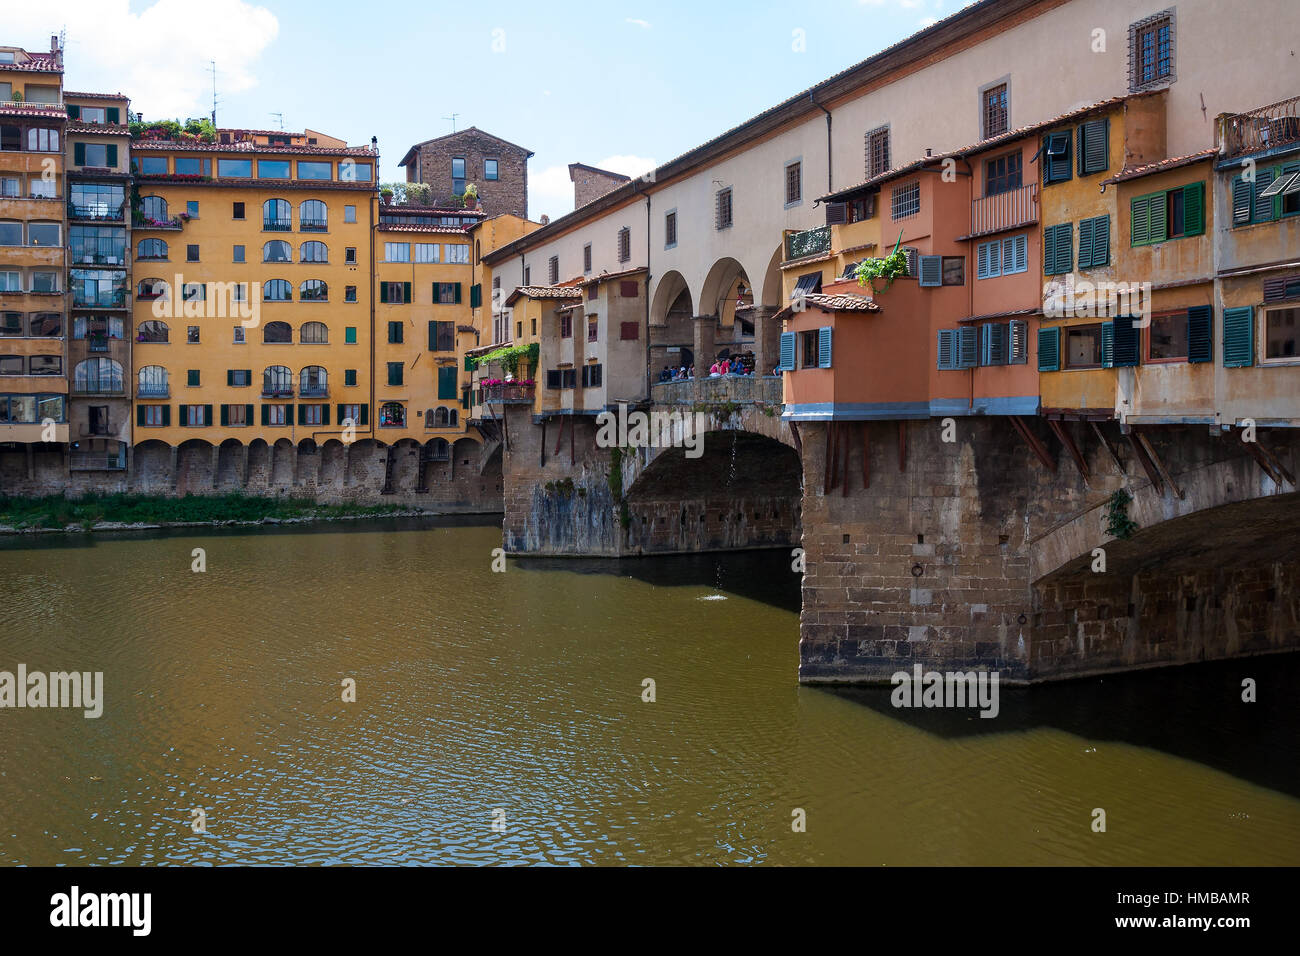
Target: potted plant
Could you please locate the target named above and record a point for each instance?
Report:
(471, 196)
(385, 195)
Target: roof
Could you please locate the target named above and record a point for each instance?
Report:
(611, 276)
(190, 146)
(830, 302)
(42, 110)
(410, 153)
(928, 43)
(39, 63)
(413, 210)
(596, 169)
(543, 292)
(106, 129)
(1174, 162)
(96, 96)
(416, 227)
(985, 144)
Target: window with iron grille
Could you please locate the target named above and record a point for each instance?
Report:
(670, 229)
(995, 112)
(905, 200)
(793, 183)
(1151, 51)
(877, 151)
(624, 244)
(553, 269)
(586, 258)
(722, 218)
(566, 326)
(593, 327)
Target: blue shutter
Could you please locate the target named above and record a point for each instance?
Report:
(1241, 202)
(1100, 241)
(982, 260)
(1239, 337)
(1263, 206)
(947, 349)
(787, 351)
(1049, 349)
(1020, 246)
(931, 271)
(1017, 342)
(1200, 334)
(1108, 345)
(1128, 340)
(967, 347)
(1085, 238)
(998, 344)
(824, 347)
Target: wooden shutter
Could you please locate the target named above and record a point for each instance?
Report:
(112, 154)
(837, 213)
(302, 414)
(1158, 223)
(341, 414)
(248, 414)
(1049, 349)
(1017, 342)
(266, 414)
(225, 414)
(475, 296)
(1242, 201)
(1094, 146)
(1020, 246)
(433, 336)
(79, 153)
(931, 271)
(365, 415)
(1085, 241)
(1108, 345)
(824, 347)
(982, 260)
(993, 344)
(383, 292)
(230, 379)
(1200, 334)
(139, 414)
(1065, 247)
(113, 114)
(1049, 250)
(207, 414)
(1128, 341)
(406, 293)
(1140, 220)
(1194, 209)
(947, 349)
(1239, 337)
(447, 382)
(967, 347)
(456, 300)
(1100, 241)
(1263, 205)
(166, 415)
(787, 351)
(324, 414)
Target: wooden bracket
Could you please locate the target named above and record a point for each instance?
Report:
(866, 454)
(1106, 443)
(1067, 440)
(1160, 465)
(1036, 446)
(1272, 458)
(902, 446)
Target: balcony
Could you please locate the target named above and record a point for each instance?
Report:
(1277, 124)
(1008, 210)
(144, 222)
(100, 300)
(104, 389)
(96, 212)
(312, 391)
(277, 391)
(277, 225)
(810, 242)
(153, 391)
(312, 225)
(510, 393)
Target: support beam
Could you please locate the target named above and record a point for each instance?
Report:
(1037, 447)
(1067, 439)
(1274, 460)
(848, 450)
(1264, 463)
(558, 438)
(1139, 452)
(798, 439)
(830, 457)
(1160, 465)
(216, 464)
(902, 446)
(1106, 443)
(866, 455)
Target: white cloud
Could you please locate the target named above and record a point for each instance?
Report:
(643, 24)
(928, 22)
(159, 56)
(550, 191)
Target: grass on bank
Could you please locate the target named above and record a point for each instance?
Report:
(55, 511)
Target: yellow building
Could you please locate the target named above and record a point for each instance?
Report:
(33, 307)
(253, 311)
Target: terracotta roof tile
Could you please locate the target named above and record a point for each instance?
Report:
(1174, 162)
(412, 227)
(40, 110)
(831, 302)
(165, 145)
(544, 292)
(95, 96)
(610, 276)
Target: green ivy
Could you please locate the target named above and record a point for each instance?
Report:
(1118, 523)
(509, 357)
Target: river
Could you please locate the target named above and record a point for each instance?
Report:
(499, 718)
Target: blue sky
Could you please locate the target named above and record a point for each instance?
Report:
(623, 84)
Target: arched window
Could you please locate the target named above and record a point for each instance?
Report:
(277, 290)
(314, 333)
(97, 375)
(277, 250)
(151, 249)
(152, 331)
(392, 415)
(440, 417)
(314, 252)
(439, 450)
(153, 289)
(154, 209)
(313, 215)
(277, 333)
(152, 382)
(277, 381)
(313, 290)
(277, 215)
(313, 382)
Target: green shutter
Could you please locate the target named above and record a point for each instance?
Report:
(1140, 217)
(230, 379)
(457, 299)
(266, 414)
(1127, 342)
(166, 415)
(475, 296)
(1239, 337)
(1200, 334)
(1063, 248)
(113, 113)
(350, 335)
(1158, 222)
(1085, 243)
(1049, 349)
(383, 292)
(365, 415)
(79, 153)
(225, 414)
(139, 414)
(112, 154)
(1264, 209)
(1101, 241)
(433, 335)
(1049, 250)
(1242, 200)
(464, 397)
(1108, 345)
(302, 414)
(324, 414)
(248, 414)
(447, 382)
(406, 293)
(1194, 209)
(340, 413)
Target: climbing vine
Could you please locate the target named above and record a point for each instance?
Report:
(509, 357)
(1118, 523)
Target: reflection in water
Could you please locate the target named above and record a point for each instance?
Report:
(522, 691)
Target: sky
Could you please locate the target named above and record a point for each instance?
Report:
(621, 85)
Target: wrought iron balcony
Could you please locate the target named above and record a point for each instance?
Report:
(277, 391)
(1277, 124)
(96, 211)
(511, 393)
(277, 225)
(313, 391)
(810, 242)
(312, 225)
(153, 391)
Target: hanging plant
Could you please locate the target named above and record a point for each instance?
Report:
(1118, 523)
(891, 267)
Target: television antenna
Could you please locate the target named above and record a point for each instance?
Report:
(279, 117)
(452, 118)
(213, 68)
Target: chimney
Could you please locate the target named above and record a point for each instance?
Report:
(546, 220)
(54, 43)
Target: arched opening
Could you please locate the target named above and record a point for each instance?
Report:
(729, 295)
(672, 329)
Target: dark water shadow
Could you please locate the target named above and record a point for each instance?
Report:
(60, 540)
(761, 574)
(1193, 711)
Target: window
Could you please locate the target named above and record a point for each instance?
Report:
(458, 175)
(722, 218)
(45, 282)
(1056, 157)
(349, 213)
(192, 335)
(89, 114)
(239, 338)
(11, 233)
(45, 141)
(313, 290)
(426, 251)
(593, 328)
(275, 414)
(670, 229)
(553, 269)
(446, 293)
(196, 416)
(192, 252)
(350, 377)
(272, 169)
(235, 168)
(808, 341)
(592, 376)
(995, 112)
(1002, 174)
(1094, 242)
(313, 252)
(793, 183)
(313, 216)
(192, 378)
(1168, 214)
(313, 381)
(489, 169)
(566, 326)
(186, 166)
(1167, 337)
(277, 250)
(586, 257)
(11, 324)
(11, 365)
(1275, 193)
(237, 210)
(1151, 51)
(1058, 249)
(311, 414)
(395, 373)
(151, 382)
(1282, 334)
(49, 325)
(235, 416)
(954, 270)
(277, 333)
(528, 271)
(192, 209)
(350, 293)
(44, 234)
(394, 333)
(1083, 346)
(277, 380)
(277, 290)
(314, 333)
(1001, 257)
(877, 151)
(315, 170)
(442, 336)
(154, 415)
(239, 377)
(905, 200)
(152, 331)
(45, 365)
(457, 254)
(397, 252)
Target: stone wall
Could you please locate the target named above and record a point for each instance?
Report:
(506, 194)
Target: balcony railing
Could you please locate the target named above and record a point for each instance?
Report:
(1256, 130)
(1015, 207)
(312, 225)
(153, 391)
(277, 225)
(144, 222)
(102, 300)
(313, 391)
(98, 461)
(810, 242)
(99, 388)
(510, 394)
(277, 391)
(96, 212)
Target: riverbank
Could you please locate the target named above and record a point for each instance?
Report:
(124, 512)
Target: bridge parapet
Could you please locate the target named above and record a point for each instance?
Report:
(734, 389)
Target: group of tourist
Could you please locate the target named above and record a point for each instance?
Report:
(733, 365)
